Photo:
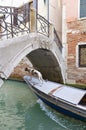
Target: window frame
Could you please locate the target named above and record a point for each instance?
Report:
(78, 55)
(79, 11)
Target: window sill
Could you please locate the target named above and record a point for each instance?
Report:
(81, 68)
(83, 18)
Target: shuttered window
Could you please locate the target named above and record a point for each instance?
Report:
(82, 8)
(82, 55)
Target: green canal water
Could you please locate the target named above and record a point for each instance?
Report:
(20, 109)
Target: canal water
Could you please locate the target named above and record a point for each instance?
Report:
(20, 109)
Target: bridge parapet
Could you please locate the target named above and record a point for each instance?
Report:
(14, 21)
(18, 21)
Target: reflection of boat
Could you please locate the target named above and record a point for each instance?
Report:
(68, 100)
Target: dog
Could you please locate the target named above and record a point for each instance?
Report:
(34, 72)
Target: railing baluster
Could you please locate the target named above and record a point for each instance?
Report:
(11, 22)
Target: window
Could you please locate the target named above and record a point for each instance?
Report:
(21, 14)
(82, 8)
(82, 55)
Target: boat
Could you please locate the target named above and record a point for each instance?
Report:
(65, 99)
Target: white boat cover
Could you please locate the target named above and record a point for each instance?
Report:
(66, 93)
(69, 94)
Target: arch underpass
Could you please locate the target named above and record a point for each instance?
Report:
(44, 61)
(43, 53)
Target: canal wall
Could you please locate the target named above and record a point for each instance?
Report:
(19, 70)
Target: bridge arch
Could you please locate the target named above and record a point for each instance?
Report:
(45, 61)
(43, 52)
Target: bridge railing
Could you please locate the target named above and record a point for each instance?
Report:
(18, 21)
(13, 21)
(43, 25)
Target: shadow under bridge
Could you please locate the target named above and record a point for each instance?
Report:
(45, 61)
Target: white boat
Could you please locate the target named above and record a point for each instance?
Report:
(65, 99)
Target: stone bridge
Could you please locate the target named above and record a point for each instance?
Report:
(43, 52)
(33, 36)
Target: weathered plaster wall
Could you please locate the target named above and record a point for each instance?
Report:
(74, 33)
(55, 15)
(72, 8)
(75, 36)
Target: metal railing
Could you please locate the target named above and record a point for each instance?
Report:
(13, 21)
(17, 21)
(43, 25)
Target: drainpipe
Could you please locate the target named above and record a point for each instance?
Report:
(48, 10)
(35, 5)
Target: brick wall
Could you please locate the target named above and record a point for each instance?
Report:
(76, 33)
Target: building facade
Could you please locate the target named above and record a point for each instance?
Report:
(74, 40)
(69, 20)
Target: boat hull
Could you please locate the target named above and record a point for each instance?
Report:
(58, 104)
(50, 102)
(61, 110)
